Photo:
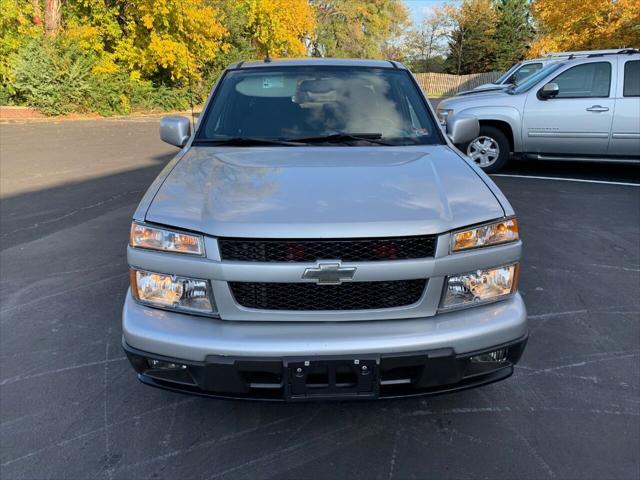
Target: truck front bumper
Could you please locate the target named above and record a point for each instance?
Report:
(267, 360)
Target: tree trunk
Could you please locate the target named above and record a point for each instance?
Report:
(52, 16)
(37, 12)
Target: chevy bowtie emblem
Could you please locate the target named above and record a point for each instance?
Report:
(329, 273)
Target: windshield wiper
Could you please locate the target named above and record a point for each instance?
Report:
(245, 141)
(344, 137)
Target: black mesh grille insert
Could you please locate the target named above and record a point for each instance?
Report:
(310, 296)
(348, 250)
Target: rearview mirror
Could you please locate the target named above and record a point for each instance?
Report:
(550, 90)
(175, 130)
(462, 128)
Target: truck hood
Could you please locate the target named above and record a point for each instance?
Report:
(484, 97)
(322, 192)
(487, 87)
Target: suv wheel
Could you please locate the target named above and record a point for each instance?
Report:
(490, 150)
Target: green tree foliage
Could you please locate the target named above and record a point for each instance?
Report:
(357, 28)
(58, 77)
(472, 44)
(52, 79)
(17, 27)
(514, 32)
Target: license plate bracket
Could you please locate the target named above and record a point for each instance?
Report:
(325, 378)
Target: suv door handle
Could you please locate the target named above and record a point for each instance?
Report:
(598, 108)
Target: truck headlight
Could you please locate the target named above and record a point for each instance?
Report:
(504, 231)
(171, 292)
(479, 287)
(154, 238)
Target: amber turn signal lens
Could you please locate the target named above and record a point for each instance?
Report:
(497, 233)
(154, 238)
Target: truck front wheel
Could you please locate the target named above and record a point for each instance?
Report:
(490, 149)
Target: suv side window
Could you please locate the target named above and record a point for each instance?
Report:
(631, 79)
(525, 71)
(584, 81)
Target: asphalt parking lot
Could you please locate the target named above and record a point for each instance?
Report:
(70, 406)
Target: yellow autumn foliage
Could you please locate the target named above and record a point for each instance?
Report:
(586, 25)
(169, 36)
(280, 27)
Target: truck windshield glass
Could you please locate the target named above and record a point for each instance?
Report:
(535, 78)
(507, 74)
(320, 105)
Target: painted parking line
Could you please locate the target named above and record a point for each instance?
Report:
(581, 180)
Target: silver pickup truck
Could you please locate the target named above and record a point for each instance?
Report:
(585, 108)
(319, 236)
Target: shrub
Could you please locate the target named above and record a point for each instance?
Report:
(52, 78)
(145, 96)
(59, 78)
(107, 94)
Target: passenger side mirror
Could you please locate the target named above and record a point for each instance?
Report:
(462, 128)
(550, 90)
(175, 130)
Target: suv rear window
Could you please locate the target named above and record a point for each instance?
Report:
(631, 79)
(288, 103)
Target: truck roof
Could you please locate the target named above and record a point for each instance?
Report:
(327, 62)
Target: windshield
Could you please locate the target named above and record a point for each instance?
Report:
(519, 72)
(507, 74)
(535, 78)
(320, 105)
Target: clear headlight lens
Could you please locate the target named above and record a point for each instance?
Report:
(172, 292)
(154, 238)
(481, 286)
(486, 235)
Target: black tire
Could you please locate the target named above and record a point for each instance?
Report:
(501, 139)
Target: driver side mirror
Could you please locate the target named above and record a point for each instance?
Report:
(550, 90)
(462, 128)
(175, 130)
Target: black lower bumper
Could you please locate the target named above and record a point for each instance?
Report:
(329, 377)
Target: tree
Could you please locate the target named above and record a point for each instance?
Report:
(471, 42)
(514, 32)
(164, 41)
(52, 16)
(358, 28)
(17, 27)
(586, 25)
(280, 27)
(238, 46)
(424, 45)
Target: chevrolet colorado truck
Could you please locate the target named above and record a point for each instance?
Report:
(318, 236)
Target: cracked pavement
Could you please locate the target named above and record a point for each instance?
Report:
(71, 407)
